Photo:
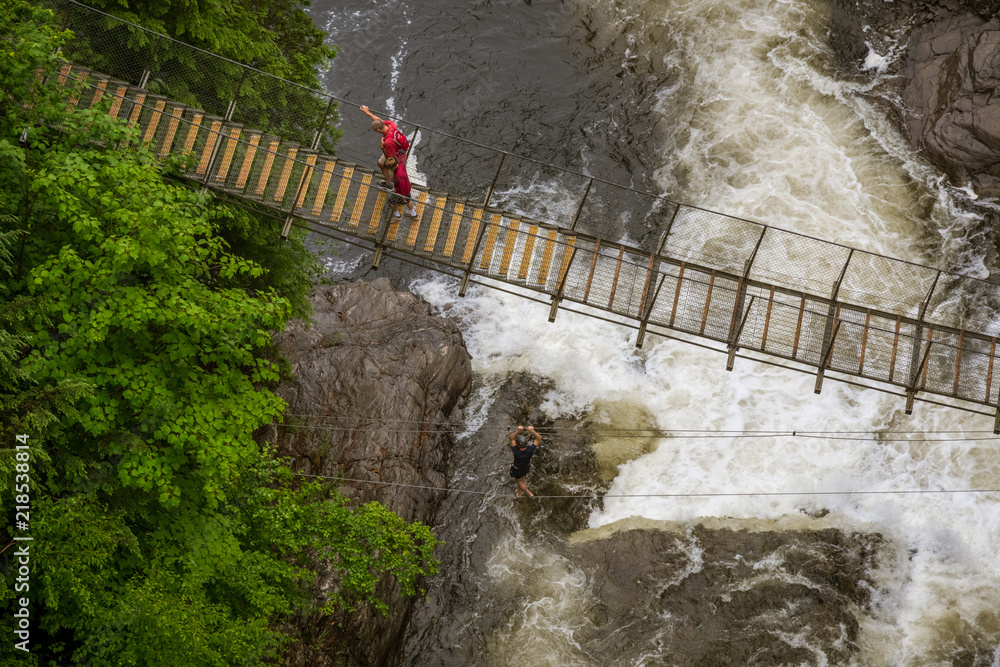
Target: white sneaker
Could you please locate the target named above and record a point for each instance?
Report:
(396, 214)
(412, 212)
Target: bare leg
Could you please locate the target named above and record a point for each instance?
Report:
(522, 488)
(386, 171)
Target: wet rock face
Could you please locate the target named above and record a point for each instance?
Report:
(951, 95)
(730, 597)
(378, 381)
(948, 77)
(377, 378)
(455, 624)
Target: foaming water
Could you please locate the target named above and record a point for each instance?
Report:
(755, 125)
(551, 617)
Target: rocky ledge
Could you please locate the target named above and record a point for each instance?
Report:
(946, 79)
(378, 383)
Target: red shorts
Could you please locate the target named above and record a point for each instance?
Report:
(401, 181)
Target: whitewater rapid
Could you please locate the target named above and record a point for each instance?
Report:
(758, 126)
(734, 106)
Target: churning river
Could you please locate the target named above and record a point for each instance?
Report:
(734, 106)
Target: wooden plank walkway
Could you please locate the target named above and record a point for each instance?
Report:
(736, 305)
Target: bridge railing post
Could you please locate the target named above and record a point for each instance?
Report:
(318, 134)
(216, 149)
(916, 370)
(579, 208)
(304, 179)
(648, 307)
(413, 139)
(482, 228)
(472, 260)
(557, 297)
(644, 322)
(380, 244)
(741, 294)
(670, 224)
(832, 327)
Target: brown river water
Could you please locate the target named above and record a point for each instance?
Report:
(731, 105)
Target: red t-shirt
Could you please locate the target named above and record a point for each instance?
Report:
(401, 180)
(389, 146)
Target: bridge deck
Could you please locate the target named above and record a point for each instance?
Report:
(733, 289)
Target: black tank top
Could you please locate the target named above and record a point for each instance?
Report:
(523, 457)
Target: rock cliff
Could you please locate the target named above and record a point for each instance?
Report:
(951, 98)
(947, 77)
(378, 383)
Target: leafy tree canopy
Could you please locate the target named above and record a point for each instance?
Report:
(135, 352)
(274, 36)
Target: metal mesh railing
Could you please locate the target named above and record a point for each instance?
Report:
(733, 281)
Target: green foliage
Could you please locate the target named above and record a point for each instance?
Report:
(11, 376)
(135, 349)
(365, 544)
(26, 405)
(276, 37)
(288, 267)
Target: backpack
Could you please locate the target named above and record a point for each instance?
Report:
(402, 144)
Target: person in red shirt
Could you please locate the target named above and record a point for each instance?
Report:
(394, 144)
(401, 184)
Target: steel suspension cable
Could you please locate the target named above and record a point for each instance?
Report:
(705, 494)
(644, 432)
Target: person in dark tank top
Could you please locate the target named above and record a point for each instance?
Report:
(523, 451)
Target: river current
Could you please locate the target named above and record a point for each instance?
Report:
(730, 105)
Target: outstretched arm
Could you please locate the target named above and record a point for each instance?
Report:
(370, 114)
(538, 437)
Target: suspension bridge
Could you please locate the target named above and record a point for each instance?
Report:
(736, 286)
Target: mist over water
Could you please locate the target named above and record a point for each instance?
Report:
(746, 118)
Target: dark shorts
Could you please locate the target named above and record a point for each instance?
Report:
(518, 473)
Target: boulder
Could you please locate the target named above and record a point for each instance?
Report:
(951, 101)
(378, 382)
(945, 80)
(726, 594)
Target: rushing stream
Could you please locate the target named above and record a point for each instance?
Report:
(730, 105)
